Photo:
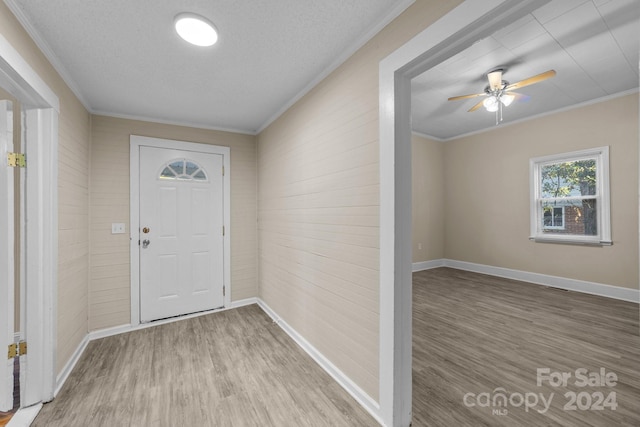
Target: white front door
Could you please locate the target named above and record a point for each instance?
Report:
(181, 232)
(6, 256)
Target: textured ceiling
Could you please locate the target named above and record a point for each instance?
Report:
(123, 57)
(592, 44)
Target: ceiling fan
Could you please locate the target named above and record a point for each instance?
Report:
(499, 92)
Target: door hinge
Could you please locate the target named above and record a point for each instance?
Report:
(223, 171)
(17, 349)
(13, 351)
(223, 230)
(224, 291)
(16, 160)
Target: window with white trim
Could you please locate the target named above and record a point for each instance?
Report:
(570, 197)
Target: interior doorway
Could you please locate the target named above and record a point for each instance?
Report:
(35, 242)
(456, 31)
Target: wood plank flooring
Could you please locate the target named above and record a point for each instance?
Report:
(475, 333)
(233, 368)
(472, 334)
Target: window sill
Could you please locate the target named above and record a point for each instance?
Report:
(569, 241)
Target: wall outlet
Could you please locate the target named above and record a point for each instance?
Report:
(117, 228)
(419, 246)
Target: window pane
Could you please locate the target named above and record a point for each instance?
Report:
(190, 168)
(178, 166)
(167, 173)
(200, 176)
(567, 179)
(576, 218)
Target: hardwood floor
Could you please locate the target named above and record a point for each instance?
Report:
(475, 333)
(233, 368)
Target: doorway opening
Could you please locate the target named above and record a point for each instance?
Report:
(456, 31)
(29, 249)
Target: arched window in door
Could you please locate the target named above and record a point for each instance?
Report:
(183, 170)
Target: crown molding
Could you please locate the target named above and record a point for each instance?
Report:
(47, 52)
(400, 7)
(538, 116)
(427, 136)
(192, 125)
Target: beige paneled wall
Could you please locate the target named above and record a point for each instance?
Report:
(487, 194)
(109, 289)
(319, 206)
(73, 227)
(427, 170)
(73, 197)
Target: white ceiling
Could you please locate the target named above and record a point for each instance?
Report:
(592, 44)
(123, 57)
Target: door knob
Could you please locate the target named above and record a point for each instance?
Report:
(145, 243)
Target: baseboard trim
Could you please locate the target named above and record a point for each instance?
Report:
(25, 416)
(71, 363)
(345, 382)
(116, 330)
(427, 265)
(122, 329)
(609, 291)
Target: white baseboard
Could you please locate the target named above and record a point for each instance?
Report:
(356, 392)
(25, 416)
(352, 388)
(116, 330)
(122, 329)
(242, 303)
(71, 363)
(427, 265)
(615, 292)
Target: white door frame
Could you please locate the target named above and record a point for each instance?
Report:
(42, 108)
(7, 259)
(134, 219)
(459, 29)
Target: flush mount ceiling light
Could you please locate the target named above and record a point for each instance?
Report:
(196, 29)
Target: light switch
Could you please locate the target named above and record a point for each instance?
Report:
(117, 228)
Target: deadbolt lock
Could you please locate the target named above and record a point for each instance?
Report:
(145, 230)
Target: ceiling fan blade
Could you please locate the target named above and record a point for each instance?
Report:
(475, 107)
(532, 80)
(455, 98)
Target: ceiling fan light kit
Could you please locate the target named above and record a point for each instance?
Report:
(491, 104)
(499, 92)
